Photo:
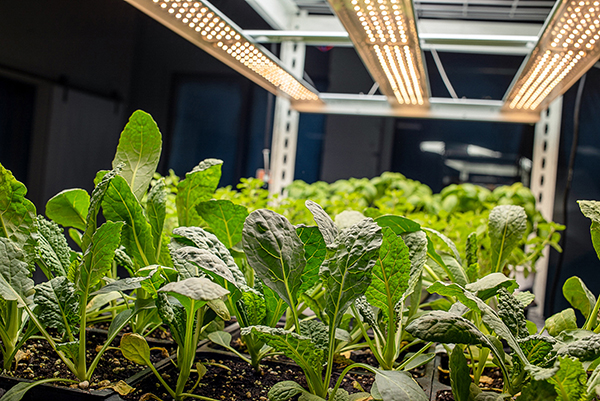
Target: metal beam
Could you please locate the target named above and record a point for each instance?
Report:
(440, 108)
(277, 13)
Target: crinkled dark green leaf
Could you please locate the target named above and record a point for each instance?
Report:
(16, 283)
(58, 304)
(194, 288)
(586, 349)
(327, 227)
(540, 373)
(511, 313)
(525, 298)
(398, 386)
(366, 310)
(98, 257)
(196, 236)
(445, 327)
(315, 252)
(204, 260)
(561, 321)
(275, 252)
(390, 275)
(17, 213)
(346, 274)
(156, 208)
(578, 295)
(98, 193)
(506, 226)
(569, 381)
(139, 150)
(120, 204)
(225, 219)
(124, 284)
(488, 286)
(400, 225)
(53, 251)
(472, 264)
(69, 208)
(173, 316)
(299, 348)
(198, 186)
(252, 308)
(538, 349)
(317, 332)
(460, 378)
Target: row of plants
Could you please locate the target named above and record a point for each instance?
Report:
(195, 257)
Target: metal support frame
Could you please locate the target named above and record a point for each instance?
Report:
(285, 124)
(543, 186)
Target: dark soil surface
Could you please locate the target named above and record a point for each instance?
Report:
(240, 381)
(39, 361)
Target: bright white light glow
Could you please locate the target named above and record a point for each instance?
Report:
(208, 27)
(566, 49)
(385, 35)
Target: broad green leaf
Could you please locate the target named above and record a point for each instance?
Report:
(135, 348)
(198, 186)
(173, 316)
(98, 257)
(317, 332)
(591, 210)
(194, 288)
(275, 252)
(98, 193)
(17, 214)
(221, 338)
(578, 295)
(120, 204)
(69, 208)
(539, 373)
(225, 219)
(538, 349)
(296, 347)
(455, 275)
(15, 281)
(52, 249)
(453, 290)
(446, 327)
(139, 150)
(196, 236)
(400, 225)
(327, 227)
(252, 308)
(569, 381)
(593, 384)
(417, 362)
(124, 284)
(220, 308)
(398, 386)
(460, 380)
(488, 286)
(511, 313)
(417, 246)
(156, 208)
(561, 321)
(538, 391)
(58, 305)
(18, 391)
(315, 252)
(448, 242)
(346, 274)
(390, 274)
(284, 390)
(506, 226)
(525, 298)
(275, 306)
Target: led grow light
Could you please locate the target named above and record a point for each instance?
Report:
(206, 27)
(385, 35)
(567, 48)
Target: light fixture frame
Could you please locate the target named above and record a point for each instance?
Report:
(367, 51)
(542, 45)
(151, 8)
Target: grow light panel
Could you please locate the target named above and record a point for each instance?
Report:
(204, 25)
(384, 34)
(567, 48)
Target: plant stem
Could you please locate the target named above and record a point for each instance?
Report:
(345, 372)
(592, 319)
(161, 380)
(185, 364)
(416, 354)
